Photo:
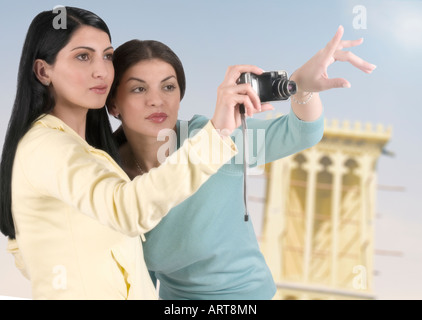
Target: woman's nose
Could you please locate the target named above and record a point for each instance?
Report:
(101, 69)
(154, 98)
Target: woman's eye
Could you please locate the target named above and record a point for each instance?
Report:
(169, 87)
(83, 57)
(109, 56)
(138, 90)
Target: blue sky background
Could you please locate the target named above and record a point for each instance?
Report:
(209, 36)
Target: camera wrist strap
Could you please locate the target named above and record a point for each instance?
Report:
(245, 158)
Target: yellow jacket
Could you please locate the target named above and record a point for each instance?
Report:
(79, 217)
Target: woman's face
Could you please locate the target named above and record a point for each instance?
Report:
(83, 72)
(148, 98)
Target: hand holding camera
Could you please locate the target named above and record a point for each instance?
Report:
(230, 95)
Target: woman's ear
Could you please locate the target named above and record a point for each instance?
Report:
(41, 70)
(112, 109)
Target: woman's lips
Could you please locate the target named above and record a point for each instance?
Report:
(100, 89)
(157, 117)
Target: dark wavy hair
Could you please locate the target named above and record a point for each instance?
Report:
(33, 99)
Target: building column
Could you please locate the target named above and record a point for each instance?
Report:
(337, 170)
(365, 172)
(312, 167)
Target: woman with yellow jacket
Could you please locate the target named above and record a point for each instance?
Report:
(72, 215)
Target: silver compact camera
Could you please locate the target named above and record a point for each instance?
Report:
(270, 86)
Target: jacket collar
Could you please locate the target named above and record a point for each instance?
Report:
(52, 122)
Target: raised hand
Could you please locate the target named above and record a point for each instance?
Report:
(313, 77)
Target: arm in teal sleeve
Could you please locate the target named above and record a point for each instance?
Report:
(273, 139)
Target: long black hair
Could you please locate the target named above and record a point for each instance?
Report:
(33, 99)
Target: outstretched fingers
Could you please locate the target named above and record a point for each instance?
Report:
(328, 84)
(347, 56)
(334, 43)
(349, 43)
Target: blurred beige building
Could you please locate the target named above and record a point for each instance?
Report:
(317, 230)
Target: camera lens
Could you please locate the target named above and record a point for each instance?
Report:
(291, 87)
(283, 88)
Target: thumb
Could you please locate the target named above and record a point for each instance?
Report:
(267, 107)
(335, 83)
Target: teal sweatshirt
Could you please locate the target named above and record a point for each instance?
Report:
(203, 249)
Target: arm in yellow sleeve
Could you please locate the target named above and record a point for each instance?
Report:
(58, 165)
